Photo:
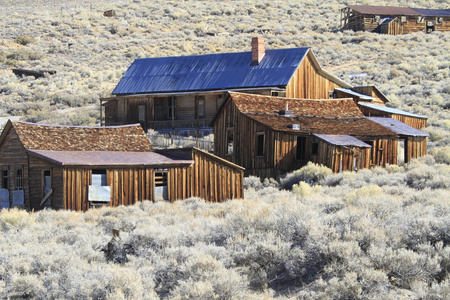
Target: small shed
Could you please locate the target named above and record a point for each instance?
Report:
(70, 167)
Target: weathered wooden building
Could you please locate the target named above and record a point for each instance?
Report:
(394, 20)
(269, 136)
(187, 91)
(67, 167)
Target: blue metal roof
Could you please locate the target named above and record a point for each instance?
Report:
(433, 12)
(390, 110)
(210, 72)
(397, 126)
(342, 140)
(350, 92)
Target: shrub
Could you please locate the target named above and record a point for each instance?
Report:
(24, 40)
(311, 173)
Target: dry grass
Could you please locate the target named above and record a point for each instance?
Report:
(366, 235)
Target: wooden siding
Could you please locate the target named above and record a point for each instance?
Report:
(280, 148)
(415, 147)
(380, 99)
(13, 157)
(307, 83)
(37, 168)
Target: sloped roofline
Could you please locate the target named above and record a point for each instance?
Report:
(325, 73)
(7, 127)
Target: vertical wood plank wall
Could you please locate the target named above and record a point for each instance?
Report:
(417, 123)
(307, 83)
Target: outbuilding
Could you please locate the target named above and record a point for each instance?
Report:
(71, 167)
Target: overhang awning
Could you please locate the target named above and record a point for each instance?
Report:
(342, 140)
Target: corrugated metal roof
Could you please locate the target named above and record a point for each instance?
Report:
(342, 140)
(79, 138)
(391, 110)
(433, 12)
(384, 10)
(210, 72)
(109, 158)
(350, 92)
(397, 126)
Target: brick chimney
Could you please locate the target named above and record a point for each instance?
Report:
(258, 50)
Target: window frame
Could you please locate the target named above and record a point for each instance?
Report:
(260, 144)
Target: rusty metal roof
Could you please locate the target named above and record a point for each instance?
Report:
(329, 108)
(397, 126)
(342, 140)
(210, 72)
(384, 10)
(109, 158)
(359, 126)
(77, 138)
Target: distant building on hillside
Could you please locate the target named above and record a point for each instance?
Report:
(394, 20)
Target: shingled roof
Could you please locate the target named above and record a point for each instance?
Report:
(327, 116)
(359, 126)
(77, 138)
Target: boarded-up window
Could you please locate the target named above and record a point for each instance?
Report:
(301, 148)
(259, 144)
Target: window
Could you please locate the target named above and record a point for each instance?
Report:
(259, 144)
(171, 108)
(301, 148)
(99, 177)
(160, 178)
(315, 148)
(219, 100)
(230, 142)
(141, 111)
(420, 19)
(19, 179)
(275, 94)
(439, 20)
(200, 107)
(403, 19)
(5, 179)
(331, 94)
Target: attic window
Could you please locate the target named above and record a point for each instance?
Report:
(275, 94)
